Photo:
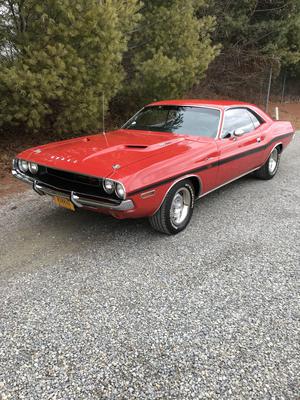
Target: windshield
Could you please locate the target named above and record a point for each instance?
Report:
(195, 121)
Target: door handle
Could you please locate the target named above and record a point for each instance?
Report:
(258, 140)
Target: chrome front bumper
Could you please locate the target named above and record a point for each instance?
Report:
(78, 199)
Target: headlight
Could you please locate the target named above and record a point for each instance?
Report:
(120, 191)
(109, 186)
(23, 165)
(33, 168)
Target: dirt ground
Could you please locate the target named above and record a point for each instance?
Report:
(12, 145)
(289, 112)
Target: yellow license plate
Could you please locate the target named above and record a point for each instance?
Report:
(65, 203)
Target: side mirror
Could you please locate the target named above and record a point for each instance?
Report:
(227, 135)
(238, 132)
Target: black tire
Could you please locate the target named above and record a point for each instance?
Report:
(162, 221)
(266, 172)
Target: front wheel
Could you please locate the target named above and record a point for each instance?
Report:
(269, 169)
(176, 210)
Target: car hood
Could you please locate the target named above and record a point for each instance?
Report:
(101, 154)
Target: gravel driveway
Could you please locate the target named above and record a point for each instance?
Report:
(94, 308)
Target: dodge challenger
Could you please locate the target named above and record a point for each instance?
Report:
(162, 160)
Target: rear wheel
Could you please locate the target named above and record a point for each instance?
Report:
(270, 168)
(176, 210)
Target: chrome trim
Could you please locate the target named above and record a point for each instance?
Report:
(104, 188)
(273, 161)
(80, 200)
(149, 193)
(77, 199)
(115, 189)
(127, 122)
(22, 176)
(51, 191)
(277, 144)
(224, 184)
(174, 183)
(116, 192)
(30, 167)
(232, 107)
(180, 206)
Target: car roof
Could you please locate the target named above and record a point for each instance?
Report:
(200, 102)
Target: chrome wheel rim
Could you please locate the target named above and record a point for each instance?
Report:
(273, 161)
(180, 206)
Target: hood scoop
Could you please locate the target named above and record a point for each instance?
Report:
(135, 146)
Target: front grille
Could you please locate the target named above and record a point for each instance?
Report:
(72, 177)
(70, 181)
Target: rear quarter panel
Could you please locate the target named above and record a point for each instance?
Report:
(277, 132)
(273, 132)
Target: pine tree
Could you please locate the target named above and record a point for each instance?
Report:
(57, 58)
(255, 35)
(170, 51)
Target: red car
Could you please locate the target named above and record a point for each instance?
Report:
(165, 157)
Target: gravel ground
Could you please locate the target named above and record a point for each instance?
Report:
(94, 308)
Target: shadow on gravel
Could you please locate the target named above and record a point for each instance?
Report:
(87, 224)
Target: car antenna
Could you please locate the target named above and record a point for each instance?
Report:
(103, 117)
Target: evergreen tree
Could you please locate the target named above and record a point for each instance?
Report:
(57, 57)
(255, 35)
(170, 51)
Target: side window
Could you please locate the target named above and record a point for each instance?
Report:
(254, 119)
(237, 118)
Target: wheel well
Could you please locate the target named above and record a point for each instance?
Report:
(196, 184)
(279, 147)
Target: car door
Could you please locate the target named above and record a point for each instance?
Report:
(251, 145)
(238, 154)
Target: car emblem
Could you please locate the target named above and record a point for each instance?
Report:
(37, 151)
(67, 159)
(116, 166)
